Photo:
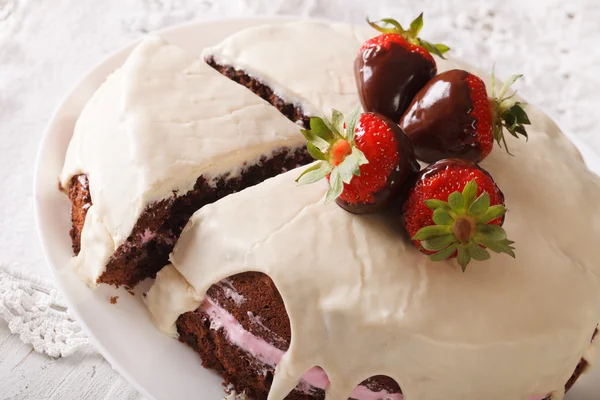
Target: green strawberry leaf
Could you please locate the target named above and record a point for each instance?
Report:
(521, 131)
(463, 257)
(397, 28)
(493, 232)
(347, 169)
(480, 205)
(445, 253)
(416, 25)
(322, 128)
(336, 186)
(315, 173)
(470, 192)
(351, 165)
(432, 231)
(491, 214)
(441, 48)
(510, 122)
(509, 82)
(456, 201)
(434, 204)
(441, 216)
(351, 124)
(502, 246)
(315, 152)
(337, 122)
(437, 49)
(315, 140)
(438, 243)
(478, 253)
(520, 114)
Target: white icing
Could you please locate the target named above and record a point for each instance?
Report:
(153, 127)
(173, 295)
(505, 329)
(307, 63)
(99, 247)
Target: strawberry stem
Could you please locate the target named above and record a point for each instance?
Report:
(339, 151)
(463, 228)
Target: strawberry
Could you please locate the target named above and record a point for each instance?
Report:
(391, 68)
(452, 116)
(367, 160)
(455, 209)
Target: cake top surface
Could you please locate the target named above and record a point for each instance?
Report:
(296, 62)
(152, 128)
(355, 285)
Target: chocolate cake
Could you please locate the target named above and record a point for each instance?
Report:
(163, 136)
(147, 248)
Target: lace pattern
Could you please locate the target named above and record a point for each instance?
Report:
(38, 314)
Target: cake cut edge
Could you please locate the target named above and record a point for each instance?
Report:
(292, 111)
(146, 250)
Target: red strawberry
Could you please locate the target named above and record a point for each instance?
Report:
(456, 210)
(391, 68)
(452, 116)
(367, 162)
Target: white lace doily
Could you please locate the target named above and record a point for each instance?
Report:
(46, 45)
(37, 313)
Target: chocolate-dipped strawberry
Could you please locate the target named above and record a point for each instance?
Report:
(455, 209)
(391, 68)
(368, 160)
(452, 116)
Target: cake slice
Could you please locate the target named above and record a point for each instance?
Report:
(164, 135)
(303, 68)
(282, 294)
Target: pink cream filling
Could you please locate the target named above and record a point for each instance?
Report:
(271, 355)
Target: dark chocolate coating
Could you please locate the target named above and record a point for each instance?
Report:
(438, 121)
(388, 79)
(399, 179)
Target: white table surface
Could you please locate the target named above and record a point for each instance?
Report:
(47, 45)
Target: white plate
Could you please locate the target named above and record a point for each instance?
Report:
(159, 367)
